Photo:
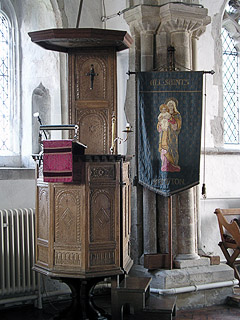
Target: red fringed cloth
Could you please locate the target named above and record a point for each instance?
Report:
(62, 161)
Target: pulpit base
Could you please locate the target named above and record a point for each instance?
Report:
(83, 306)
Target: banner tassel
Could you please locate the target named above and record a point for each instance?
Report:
(204, 193)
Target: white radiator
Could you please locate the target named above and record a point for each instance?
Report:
(17, 254)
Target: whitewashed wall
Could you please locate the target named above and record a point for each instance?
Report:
(117, 22)
(49, 68)
(46, 67)
(222, 173)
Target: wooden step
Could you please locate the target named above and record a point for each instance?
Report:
(132, 292)
(134, 284)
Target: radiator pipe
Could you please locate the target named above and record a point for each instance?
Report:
(195, 288)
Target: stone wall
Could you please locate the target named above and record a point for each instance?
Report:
(49, 68)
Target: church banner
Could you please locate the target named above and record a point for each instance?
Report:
(169, 119)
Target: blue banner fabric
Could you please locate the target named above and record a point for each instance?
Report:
(169, 124)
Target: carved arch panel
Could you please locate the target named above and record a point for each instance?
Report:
(67, 215)
(102, 215)
(83, 67)
(93, 96)
(93, 129)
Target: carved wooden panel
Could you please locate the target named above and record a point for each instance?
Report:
(69, 227)
(102, 172)
(43, 237)
(68, 258)
(104, 217)
(93, 129)
(42, 255)
(84, 230)
(92, 96)
(126, 217)
(84, 65)
(67, 216)
(102, 258)
(43, 214)
(102, 214)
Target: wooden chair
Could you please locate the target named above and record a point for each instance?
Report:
(228, 220)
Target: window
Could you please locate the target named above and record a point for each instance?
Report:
(230, 89)
(230, 72)
(9, 87)
(5, 83)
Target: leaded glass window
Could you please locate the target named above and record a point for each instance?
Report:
(4, 82)
(230, 89)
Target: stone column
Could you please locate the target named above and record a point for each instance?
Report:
(149, 197)
(175, 25)
(181, 41)
(179, 23)
(186, 228)
(130, 111)
(144, 21)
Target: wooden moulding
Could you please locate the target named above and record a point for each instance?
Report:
(65, 40)
(214, 260)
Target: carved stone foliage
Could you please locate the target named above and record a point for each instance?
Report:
(102, 215)
(67, 213)
(231, 22)
(43, 219)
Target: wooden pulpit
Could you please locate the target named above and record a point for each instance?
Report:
(92, 79)
(83, 229)
(83, 223)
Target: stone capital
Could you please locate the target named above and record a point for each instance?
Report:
(232, 27)
(143, 18)
(182, 18)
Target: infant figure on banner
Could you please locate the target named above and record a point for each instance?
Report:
(163, 117)
(169, 126)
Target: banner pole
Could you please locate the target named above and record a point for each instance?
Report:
(170, 232)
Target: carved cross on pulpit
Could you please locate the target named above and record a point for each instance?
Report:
(92, 74)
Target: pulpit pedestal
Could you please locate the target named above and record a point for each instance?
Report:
(82, 306)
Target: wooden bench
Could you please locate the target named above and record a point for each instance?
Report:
(229, 221)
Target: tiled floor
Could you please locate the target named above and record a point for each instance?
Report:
(51, 310)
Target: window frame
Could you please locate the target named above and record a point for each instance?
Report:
(232, 27)
(232, 94)
(13, 157)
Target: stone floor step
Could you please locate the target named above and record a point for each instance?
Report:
(233, 300)
(157, 307)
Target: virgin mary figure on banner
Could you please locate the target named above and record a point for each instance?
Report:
(169, 141)
(169, 126)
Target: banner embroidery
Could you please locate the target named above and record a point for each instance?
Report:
(170, 115)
